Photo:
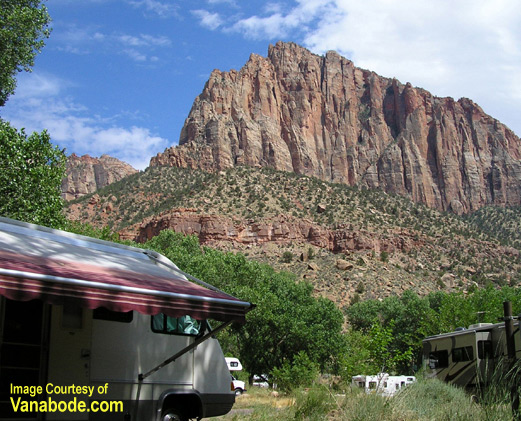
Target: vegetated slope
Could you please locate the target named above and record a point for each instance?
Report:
(349, 242)
(502, 223)
(322, 116)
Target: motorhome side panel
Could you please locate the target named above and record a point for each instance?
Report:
(197, 383)
(123, 350)
(69, 355)
(212, 378)
(452, 358)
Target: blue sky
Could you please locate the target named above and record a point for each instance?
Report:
(119, 76)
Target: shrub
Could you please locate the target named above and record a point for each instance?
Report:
(299, 373)
(314, 404)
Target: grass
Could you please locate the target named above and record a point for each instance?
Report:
(430, 400)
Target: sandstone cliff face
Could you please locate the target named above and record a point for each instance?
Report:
(85, 174)
(212, 229)
(323, 117)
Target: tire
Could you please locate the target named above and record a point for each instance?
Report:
(238, 392)
(173, 414)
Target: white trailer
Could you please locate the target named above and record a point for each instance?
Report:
(468, 357)
(93, 330)
(382, 383)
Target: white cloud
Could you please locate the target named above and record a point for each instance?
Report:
(76, 128)
(230, 2)
(468, 48)
(135, 55)
(144, 40)
(88, 40)
(161, 9)
(39, 85)
(209, 20)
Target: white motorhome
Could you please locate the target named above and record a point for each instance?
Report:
(93, 330)
(468, 357)
(233, 364)
(382, 383)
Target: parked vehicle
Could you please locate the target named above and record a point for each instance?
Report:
(382, 383)
(239, 387)
(260, 380)
(233, 364)
(467, 357)
(85, 322)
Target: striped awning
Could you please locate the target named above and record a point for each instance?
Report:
(57, 266)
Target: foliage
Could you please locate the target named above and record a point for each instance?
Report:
(382, 354)
(287, 319)
(24, 26)
(395, 327)
(313, 404)
(31, 171)
(396, 324)
(287, 257)
(297, 373)
(88, 230)
(425, 400)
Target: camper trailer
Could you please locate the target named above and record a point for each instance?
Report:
(468, 357)
(382, 383)
(93, 330)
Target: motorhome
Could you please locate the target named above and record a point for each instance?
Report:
(382, 383)
(93, 330)
(469, 356)
(235, 365)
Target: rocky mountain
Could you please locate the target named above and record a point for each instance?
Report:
(85, 174)
(322, 116)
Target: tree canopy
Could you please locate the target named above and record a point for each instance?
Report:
(24, 27)
(31, 172)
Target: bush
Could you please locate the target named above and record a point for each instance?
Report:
(314, 404)
(287, 257)
(301, 372)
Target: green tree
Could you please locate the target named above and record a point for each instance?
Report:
(24, 27)
(31, 172)
(287, 319)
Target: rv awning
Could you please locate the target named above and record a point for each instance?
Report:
(57, 266)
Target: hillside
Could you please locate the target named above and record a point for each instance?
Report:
(351, 243)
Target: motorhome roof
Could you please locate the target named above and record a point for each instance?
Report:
(471, 329)
(56, 266)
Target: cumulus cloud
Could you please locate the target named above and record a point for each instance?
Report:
(274, 22)
(468, 48)
(42, 103)
(208, 20)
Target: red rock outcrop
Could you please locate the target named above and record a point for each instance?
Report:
(283, 229)
(85, 174)
(324, 117)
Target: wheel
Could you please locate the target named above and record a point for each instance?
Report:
(173, 414)
(238, 391)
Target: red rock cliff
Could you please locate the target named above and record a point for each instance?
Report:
(85, 174)
(322, 116)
